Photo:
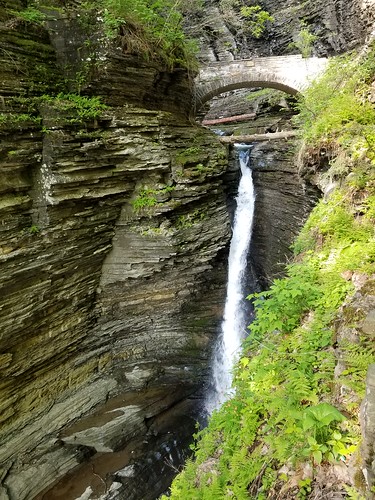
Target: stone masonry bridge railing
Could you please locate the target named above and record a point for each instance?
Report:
(292, 74)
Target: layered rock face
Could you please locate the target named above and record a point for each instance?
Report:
(283, 203)
(338, 26)
(112, 275)
(114, 231)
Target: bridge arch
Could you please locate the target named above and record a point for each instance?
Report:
(208, 92)
(291, 74)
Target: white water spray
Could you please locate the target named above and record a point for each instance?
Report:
(234, 323)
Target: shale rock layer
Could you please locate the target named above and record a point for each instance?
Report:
(113, 230)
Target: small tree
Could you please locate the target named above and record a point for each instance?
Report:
(256, 19)
(305, 40)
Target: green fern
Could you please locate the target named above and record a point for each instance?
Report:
(358, 356)
(299, 385)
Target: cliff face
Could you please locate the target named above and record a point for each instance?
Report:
(338, 26)
(112, 276)
(283, 203)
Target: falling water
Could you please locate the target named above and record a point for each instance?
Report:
(234, 322)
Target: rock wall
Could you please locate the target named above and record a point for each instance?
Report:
(283, 203)
(356, 328)
(113, 231)
(338, 26)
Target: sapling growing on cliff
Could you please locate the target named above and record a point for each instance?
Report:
(304, 41)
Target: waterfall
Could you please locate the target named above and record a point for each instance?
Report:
(234, 323)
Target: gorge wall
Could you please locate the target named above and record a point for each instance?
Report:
(113, 275)
(338, 26)
(114, 233)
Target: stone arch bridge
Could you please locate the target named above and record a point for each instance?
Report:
(292, 74)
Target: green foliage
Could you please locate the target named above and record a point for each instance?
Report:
(30, 15)
(291, 298)
(34, 229)
(82, 107)
(188, 220)
(335, 108)
(318, 418)
(147, 197)
(18, 120)
(248, 20)
(71, 109)
(152, 30)
(304, 488)
(346, 231)
(189, 155)
(353, 494)
(304, 41)
(256, 19)
(357, 358)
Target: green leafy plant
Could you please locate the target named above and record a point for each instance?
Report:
(256, 19)
(145, 199)
(188, 220)
(81, 107)
(18, 120)
(304, 488)
(304, 41)
(189, 155)
(245, 19)
(34, 229)
(335, 108)
(318, 419)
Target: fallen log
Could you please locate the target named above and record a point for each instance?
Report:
(258, 137)
(230, 119)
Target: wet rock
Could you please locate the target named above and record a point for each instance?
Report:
(283, 203)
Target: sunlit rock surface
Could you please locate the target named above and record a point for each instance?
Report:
(113, 233)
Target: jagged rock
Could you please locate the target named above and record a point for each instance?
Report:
(368, 427)
(338, 26)
(368, 326)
